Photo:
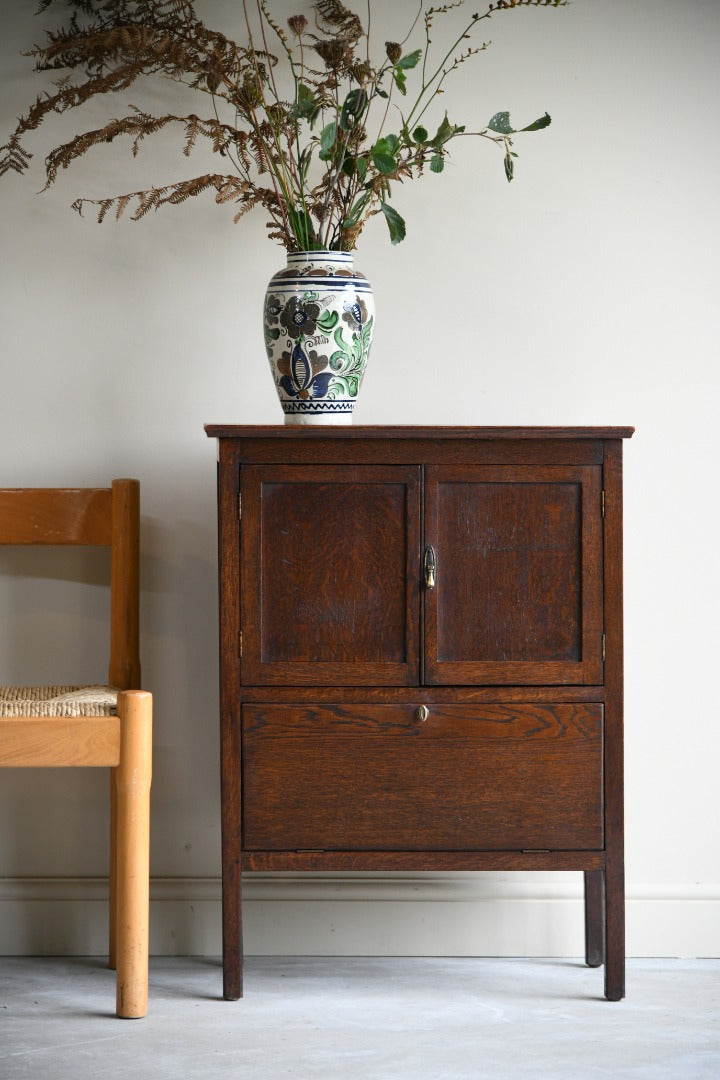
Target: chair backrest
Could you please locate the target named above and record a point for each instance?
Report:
(106, 517)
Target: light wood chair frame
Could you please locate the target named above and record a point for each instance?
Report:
(123, 742)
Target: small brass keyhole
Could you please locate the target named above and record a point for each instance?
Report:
(421, 713)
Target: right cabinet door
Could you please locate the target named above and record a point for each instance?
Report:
(516, 596)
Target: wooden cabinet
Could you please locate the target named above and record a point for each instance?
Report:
(421, 657)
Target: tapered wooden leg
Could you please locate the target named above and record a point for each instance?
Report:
(232, 891)
(594, 918)
(232, 934)
(614, 932)
(112, 875)
(133, 862)
(231, 802)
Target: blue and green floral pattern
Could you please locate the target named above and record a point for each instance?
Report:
(318, 322)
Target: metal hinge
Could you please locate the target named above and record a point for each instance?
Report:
(603, 648)
(239, 505)
(602, 502)
(240, 643)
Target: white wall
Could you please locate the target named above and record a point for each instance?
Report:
(584, 293)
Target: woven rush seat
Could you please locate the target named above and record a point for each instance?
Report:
(92, 726)
(18, 701)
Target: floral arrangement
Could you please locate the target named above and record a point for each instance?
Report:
(307, 123)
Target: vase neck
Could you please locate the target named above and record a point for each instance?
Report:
(337, 259)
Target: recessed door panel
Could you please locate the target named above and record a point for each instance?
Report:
(517, 590)
(329, 574)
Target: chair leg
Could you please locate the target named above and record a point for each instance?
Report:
(133, 861)
(112, 930)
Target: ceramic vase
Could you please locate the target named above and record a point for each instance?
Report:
(318, 321)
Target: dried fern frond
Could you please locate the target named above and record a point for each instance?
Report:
(340, 19)
(321, 164)
(169, 195)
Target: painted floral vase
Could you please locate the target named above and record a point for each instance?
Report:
(318, 321)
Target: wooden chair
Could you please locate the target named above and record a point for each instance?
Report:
(106, 725)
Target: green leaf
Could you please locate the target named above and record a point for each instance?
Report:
(381, 93)
(357, 209)
(328, 135)
(509, 167)
(361, 165)
(437, 163)
(445, 132)
(306, 106)
(304, 162)
(420, 135)
(353, 107)
(395, 223)
(409, 61)
(328, 138)
(400, 80)
(384, 163)
(383, 156)
(537, 125)
(500, 122)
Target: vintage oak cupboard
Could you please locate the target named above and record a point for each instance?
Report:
(421, 660)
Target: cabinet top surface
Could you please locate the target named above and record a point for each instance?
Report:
(365, 431)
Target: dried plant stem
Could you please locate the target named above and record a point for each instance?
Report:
(327, 173)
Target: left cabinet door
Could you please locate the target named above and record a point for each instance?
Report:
(330, 560)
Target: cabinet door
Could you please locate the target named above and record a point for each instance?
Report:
(518, 582)
(329, 572)
(376, 777)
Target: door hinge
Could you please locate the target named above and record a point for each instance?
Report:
(602, 502)
(240, 643)
(603, 648)
(239, 505)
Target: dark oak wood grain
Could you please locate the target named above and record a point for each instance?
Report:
(427, 695)
(334, 593)
(376, 716)
(614, 898)
(363, 432)
(519, 595)
(594, 918)
(376, 777)
(352, 861)
(230, 741)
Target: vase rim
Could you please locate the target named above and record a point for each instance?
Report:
(324, 253)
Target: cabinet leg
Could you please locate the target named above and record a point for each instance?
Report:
(614, 934)
(232, 935)
(594, 918)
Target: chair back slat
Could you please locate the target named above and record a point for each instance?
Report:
(90, 516)
(56, 516)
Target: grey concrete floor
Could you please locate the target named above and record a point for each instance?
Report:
(370, 1018)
